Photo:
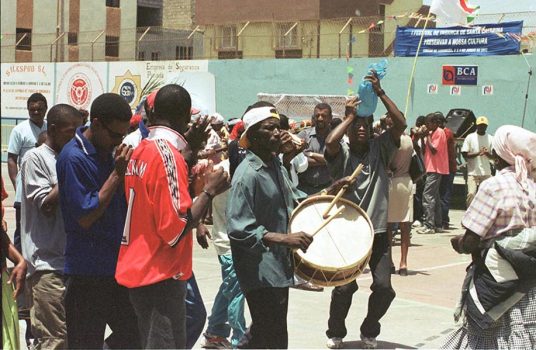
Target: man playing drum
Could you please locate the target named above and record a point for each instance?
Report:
(370, 192)
(260, 204)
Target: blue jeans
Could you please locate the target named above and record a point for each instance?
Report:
(445, 192)
(228, 308)
(196, 314)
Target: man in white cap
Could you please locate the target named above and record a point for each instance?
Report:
(216, 143)
(259, 240)
(260, 204)
(476, 150)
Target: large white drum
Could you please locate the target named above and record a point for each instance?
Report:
(341, 250)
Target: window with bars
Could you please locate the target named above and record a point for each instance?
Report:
(112, 46)
(141, 56)
(228, 37)
(72, 38)
(155, 56)
(183, 52)
(291, 39)
(24, 39)
(112, 3)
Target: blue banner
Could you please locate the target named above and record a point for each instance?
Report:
(478, 40)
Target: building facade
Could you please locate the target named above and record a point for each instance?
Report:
(67, 30)
(302, 28)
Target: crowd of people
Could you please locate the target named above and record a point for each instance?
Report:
(107, 204)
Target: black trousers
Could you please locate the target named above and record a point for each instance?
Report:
(268, 308)
(379, 301)
(93, 302)
(161, 312)
(418, 211)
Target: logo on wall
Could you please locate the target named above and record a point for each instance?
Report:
(128, 87)
(80, 90)
(455, 90)
(459, 75)
(432, 89)
(79, 83)
(487, 90)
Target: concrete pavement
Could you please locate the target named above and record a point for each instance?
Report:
(419, 317)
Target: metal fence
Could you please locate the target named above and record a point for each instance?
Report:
(354, 37)
(300, 107)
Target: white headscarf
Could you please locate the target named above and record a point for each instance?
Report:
(517, 146)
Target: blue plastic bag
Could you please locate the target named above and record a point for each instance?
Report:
(368, 98)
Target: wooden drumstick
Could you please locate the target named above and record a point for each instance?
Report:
(356, 172)
(327, 221)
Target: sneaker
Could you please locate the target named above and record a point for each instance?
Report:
(215, 342)
(425, 231)
(439, 230)
(335, 343)
(416, 224)
(369, 343)
(308, 286)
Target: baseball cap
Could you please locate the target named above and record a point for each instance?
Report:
(481, 120)
(255, 116)
(140, 113)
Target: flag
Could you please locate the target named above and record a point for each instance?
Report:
(452, 12)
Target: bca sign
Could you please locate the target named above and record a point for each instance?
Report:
(460, 75)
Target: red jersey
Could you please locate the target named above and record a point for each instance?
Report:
(154, 245)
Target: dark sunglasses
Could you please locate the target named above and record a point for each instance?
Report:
(113, 134)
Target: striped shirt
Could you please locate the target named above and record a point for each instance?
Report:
(501, 205)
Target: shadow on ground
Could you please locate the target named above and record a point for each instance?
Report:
(357, 344)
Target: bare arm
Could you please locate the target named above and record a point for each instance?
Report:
(399, 122)
(333, 141)
(470, 155)
(430, 145)
(315, 159)
(12, 168)
(203, 235)
(19, 271)
(51, 201)
(299, 240)
(217, 182)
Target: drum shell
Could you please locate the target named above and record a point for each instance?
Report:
(323, 275)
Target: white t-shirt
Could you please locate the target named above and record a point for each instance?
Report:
(133, 139)
(220, 238)
(480, 165)
(23, 138)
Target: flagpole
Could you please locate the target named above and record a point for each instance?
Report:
(415, 65)
(527, 91)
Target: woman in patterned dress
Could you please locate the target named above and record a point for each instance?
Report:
(498, 305)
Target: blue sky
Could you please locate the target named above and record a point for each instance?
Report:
(499, 6)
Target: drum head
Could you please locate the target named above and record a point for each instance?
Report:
(345, 242)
